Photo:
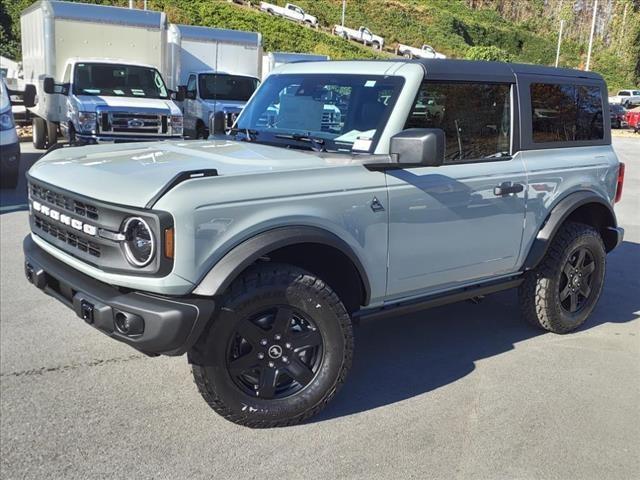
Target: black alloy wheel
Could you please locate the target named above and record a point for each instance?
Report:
(575, 284)
(275, 354)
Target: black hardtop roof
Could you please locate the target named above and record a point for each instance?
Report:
(435, 68)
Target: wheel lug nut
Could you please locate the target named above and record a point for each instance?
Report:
(271, 364)
(277, 336)
(263, 341)
(288, 345)
(285, 359)
(261, 355)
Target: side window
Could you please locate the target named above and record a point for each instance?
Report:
(566, 113)
(475, 117)
(624, 93)
(66, 78)
(191, 86)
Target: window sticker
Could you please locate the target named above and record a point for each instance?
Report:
(362, 144)
(118, 92)
(370, 83)
(136, 91)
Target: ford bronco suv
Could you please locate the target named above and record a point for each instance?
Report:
(253, 252)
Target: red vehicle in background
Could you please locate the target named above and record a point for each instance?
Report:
(633, 119)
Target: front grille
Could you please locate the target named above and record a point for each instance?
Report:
(63, 201)
(71, 238)
(133, 123)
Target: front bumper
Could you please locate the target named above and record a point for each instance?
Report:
(152, 324)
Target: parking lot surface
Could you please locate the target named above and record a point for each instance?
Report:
(462, 391)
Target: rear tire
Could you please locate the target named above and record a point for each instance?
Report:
(562, 291)
(277, 352)
(39, 133)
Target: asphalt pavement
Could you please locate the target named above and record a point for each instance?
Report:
(462, 391)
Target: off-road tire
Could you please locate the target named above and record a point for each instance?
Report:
(39, 133)
(273, 284)
(539, 294)
(52, 134)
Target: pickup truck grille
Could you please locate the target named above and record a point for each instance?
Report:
(57, 231)
(63, 201)
(132, 123)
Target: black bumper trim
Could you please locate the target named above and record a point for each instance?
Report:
(171, 325)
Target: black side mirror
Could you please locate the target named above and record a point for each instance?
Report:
(419, 147)
(181, 93)
(190, 94)
(49, 85)
(29, 95)
(218, 123)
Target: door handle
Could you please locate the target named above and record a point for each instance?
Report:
(506, 188)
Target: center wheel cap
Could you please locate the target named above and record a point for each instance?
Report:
(275, 351)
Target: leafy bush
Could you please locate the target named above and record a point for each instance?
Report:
(489, 54)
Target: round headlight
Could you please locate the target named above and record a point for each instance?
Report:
(139, 244)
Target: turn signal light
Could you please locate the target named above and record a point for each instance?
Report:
(620, 182)
(169, 245)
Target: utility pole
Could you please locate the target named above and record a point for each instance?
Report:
(344, 8)
(145, 4)
(559, 42)
(130, 3)
(593, 29)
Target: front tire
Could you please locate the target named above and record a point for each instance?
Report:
(561, 292)
(277, 352)
(39, 133)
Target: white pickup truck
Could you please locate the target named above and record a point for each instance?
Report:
(290, 11)
(626, 98)
(362, 34)
(426, 51)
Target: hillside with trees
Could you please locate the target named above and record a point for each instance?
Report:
(510, 30)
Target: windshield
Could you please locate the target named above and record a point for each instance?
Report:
(118, 81)
(341, 113)
(226, 87)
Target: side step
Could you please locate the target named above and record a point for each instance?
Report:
(405, 308)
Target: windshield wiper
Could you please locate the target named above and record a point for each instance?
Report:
(248, 132)
(317, 144)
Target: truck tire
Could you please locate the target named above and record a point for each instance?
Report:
(562, 291)
(277, 352)
(408, 55)
(39, 133)
(52, 133)
(376, 46)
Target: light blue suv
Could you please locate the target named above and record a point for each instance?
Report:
(253, 252)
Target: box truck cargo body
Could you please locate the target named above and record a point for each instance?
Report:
(272, 60)
(103, 65)
(218, 70)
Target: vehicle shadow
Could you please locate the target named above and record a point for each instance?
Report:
(15, 199)
(402, 357)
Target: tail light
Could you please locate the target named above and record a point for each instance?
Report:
(620, 182)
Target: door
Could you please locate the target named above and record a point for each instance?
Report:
(191, 105)
(461, 221)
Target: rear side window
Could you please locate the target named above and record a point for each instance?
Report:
(566, 113)
(475, 117)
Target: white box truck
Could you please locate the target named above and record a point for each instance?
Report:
(97, 73)
(273, 60)
(216, 69)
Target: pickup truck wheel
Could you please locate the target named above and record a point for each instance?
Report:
(52, 133)
(376, 46)
(277, 352)
(408, 55)
(560, 294)
(39, 133)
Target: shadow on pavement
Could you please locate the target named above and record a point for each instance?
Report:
(399, 358)
(13, 200)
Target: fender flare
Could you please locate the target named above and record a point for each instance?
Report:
(559, 213)
(234, 262)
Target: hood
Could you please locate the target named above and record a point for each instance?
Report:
(133, 173)
(129, 104)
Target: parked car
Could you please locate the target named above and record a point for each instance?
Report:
(626, 98)
(289, 11)
(426, 51)
(100, 80)
(9, 141)
(255, 251)
(618, 116)
(633, 119)
(362, 35)
(217, 69)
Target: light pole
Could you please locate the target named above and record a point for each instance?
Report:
(559, 42)
(344, 8)
(593, 28)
